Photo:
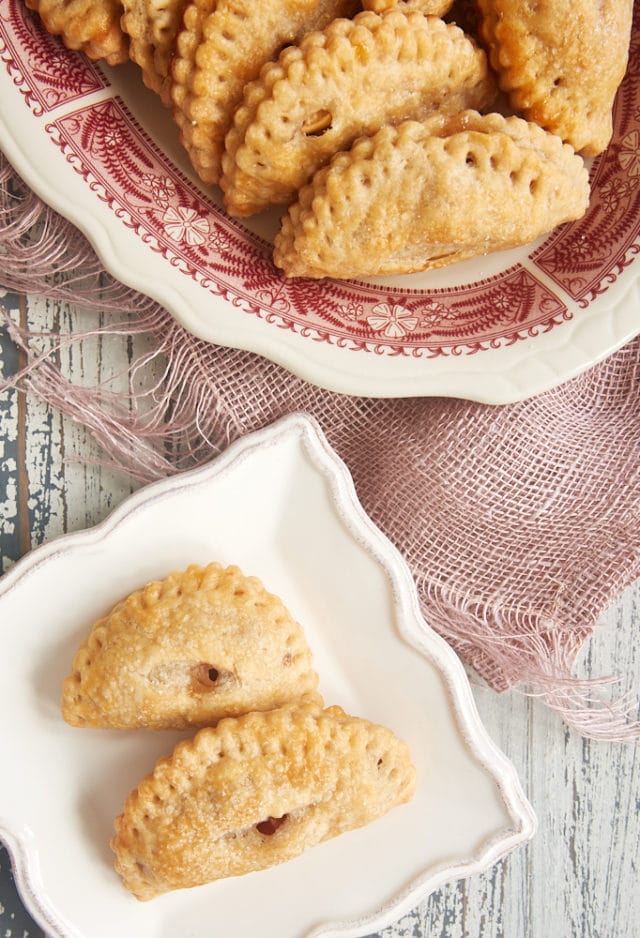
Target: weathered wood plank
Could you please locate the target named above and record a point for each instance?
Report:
(10, 452)
(14, 541)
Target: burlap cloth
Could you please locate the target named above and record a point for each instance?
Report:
(520, 523)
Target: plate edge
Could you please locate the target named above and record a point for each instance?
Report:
(412, 628)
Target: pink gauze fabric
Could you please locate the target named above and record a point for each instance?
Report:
(521, 523)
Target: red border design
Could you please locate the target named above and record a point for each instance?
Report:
(46, 73)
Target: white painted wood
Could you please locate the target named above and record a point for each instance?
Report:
(577, 879)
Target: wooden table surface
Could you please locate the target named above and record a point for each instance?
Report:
(578, 877)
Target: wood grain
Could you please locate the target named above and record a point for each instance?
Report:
(579, 876)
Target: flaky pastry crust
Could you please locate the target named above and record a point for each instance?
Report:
(222, 46)
(89, 26)
(152, 27)
(349, 79)
(561, 63)
(256, 791)
(424, 195)
(188, 650)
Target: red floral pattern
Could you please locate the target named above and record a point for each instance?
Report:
(47, 74)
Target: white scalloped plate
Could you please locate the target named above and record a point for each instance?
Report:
(101, 149)
(282, 505)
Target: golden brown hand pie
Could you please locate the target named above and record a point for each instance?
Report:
(350, 79)
(152, 26)
(223, 45)
(89, 26)
(186, 651)
(255, 791)
(561, 63)
(427, 194)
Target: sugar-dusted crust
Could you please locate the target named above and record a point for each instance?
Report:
(349, 79)
(186, 651)
(431, 7)
(255, 791)
(152, 26)
(89, 26)
(561, 63)
(222, 46)
(424, 195)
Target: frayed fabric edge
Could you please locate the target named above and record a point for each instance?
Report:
(131, 427)
(536, 661)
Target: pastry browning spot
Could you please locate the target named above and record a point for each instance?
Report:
(89, 26)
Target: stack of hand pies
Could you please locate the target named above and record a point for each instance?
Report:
(270, 772)
(399, 141)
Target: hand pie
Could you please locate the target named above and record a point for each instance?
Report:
(255, 791)
(89, 26)
(561, 63)
(427, 194)
(152, 26)
(338, 84)
(223, 45)
(186, 651)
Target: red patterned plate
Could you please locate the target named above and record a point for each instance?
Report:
(101, 149)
